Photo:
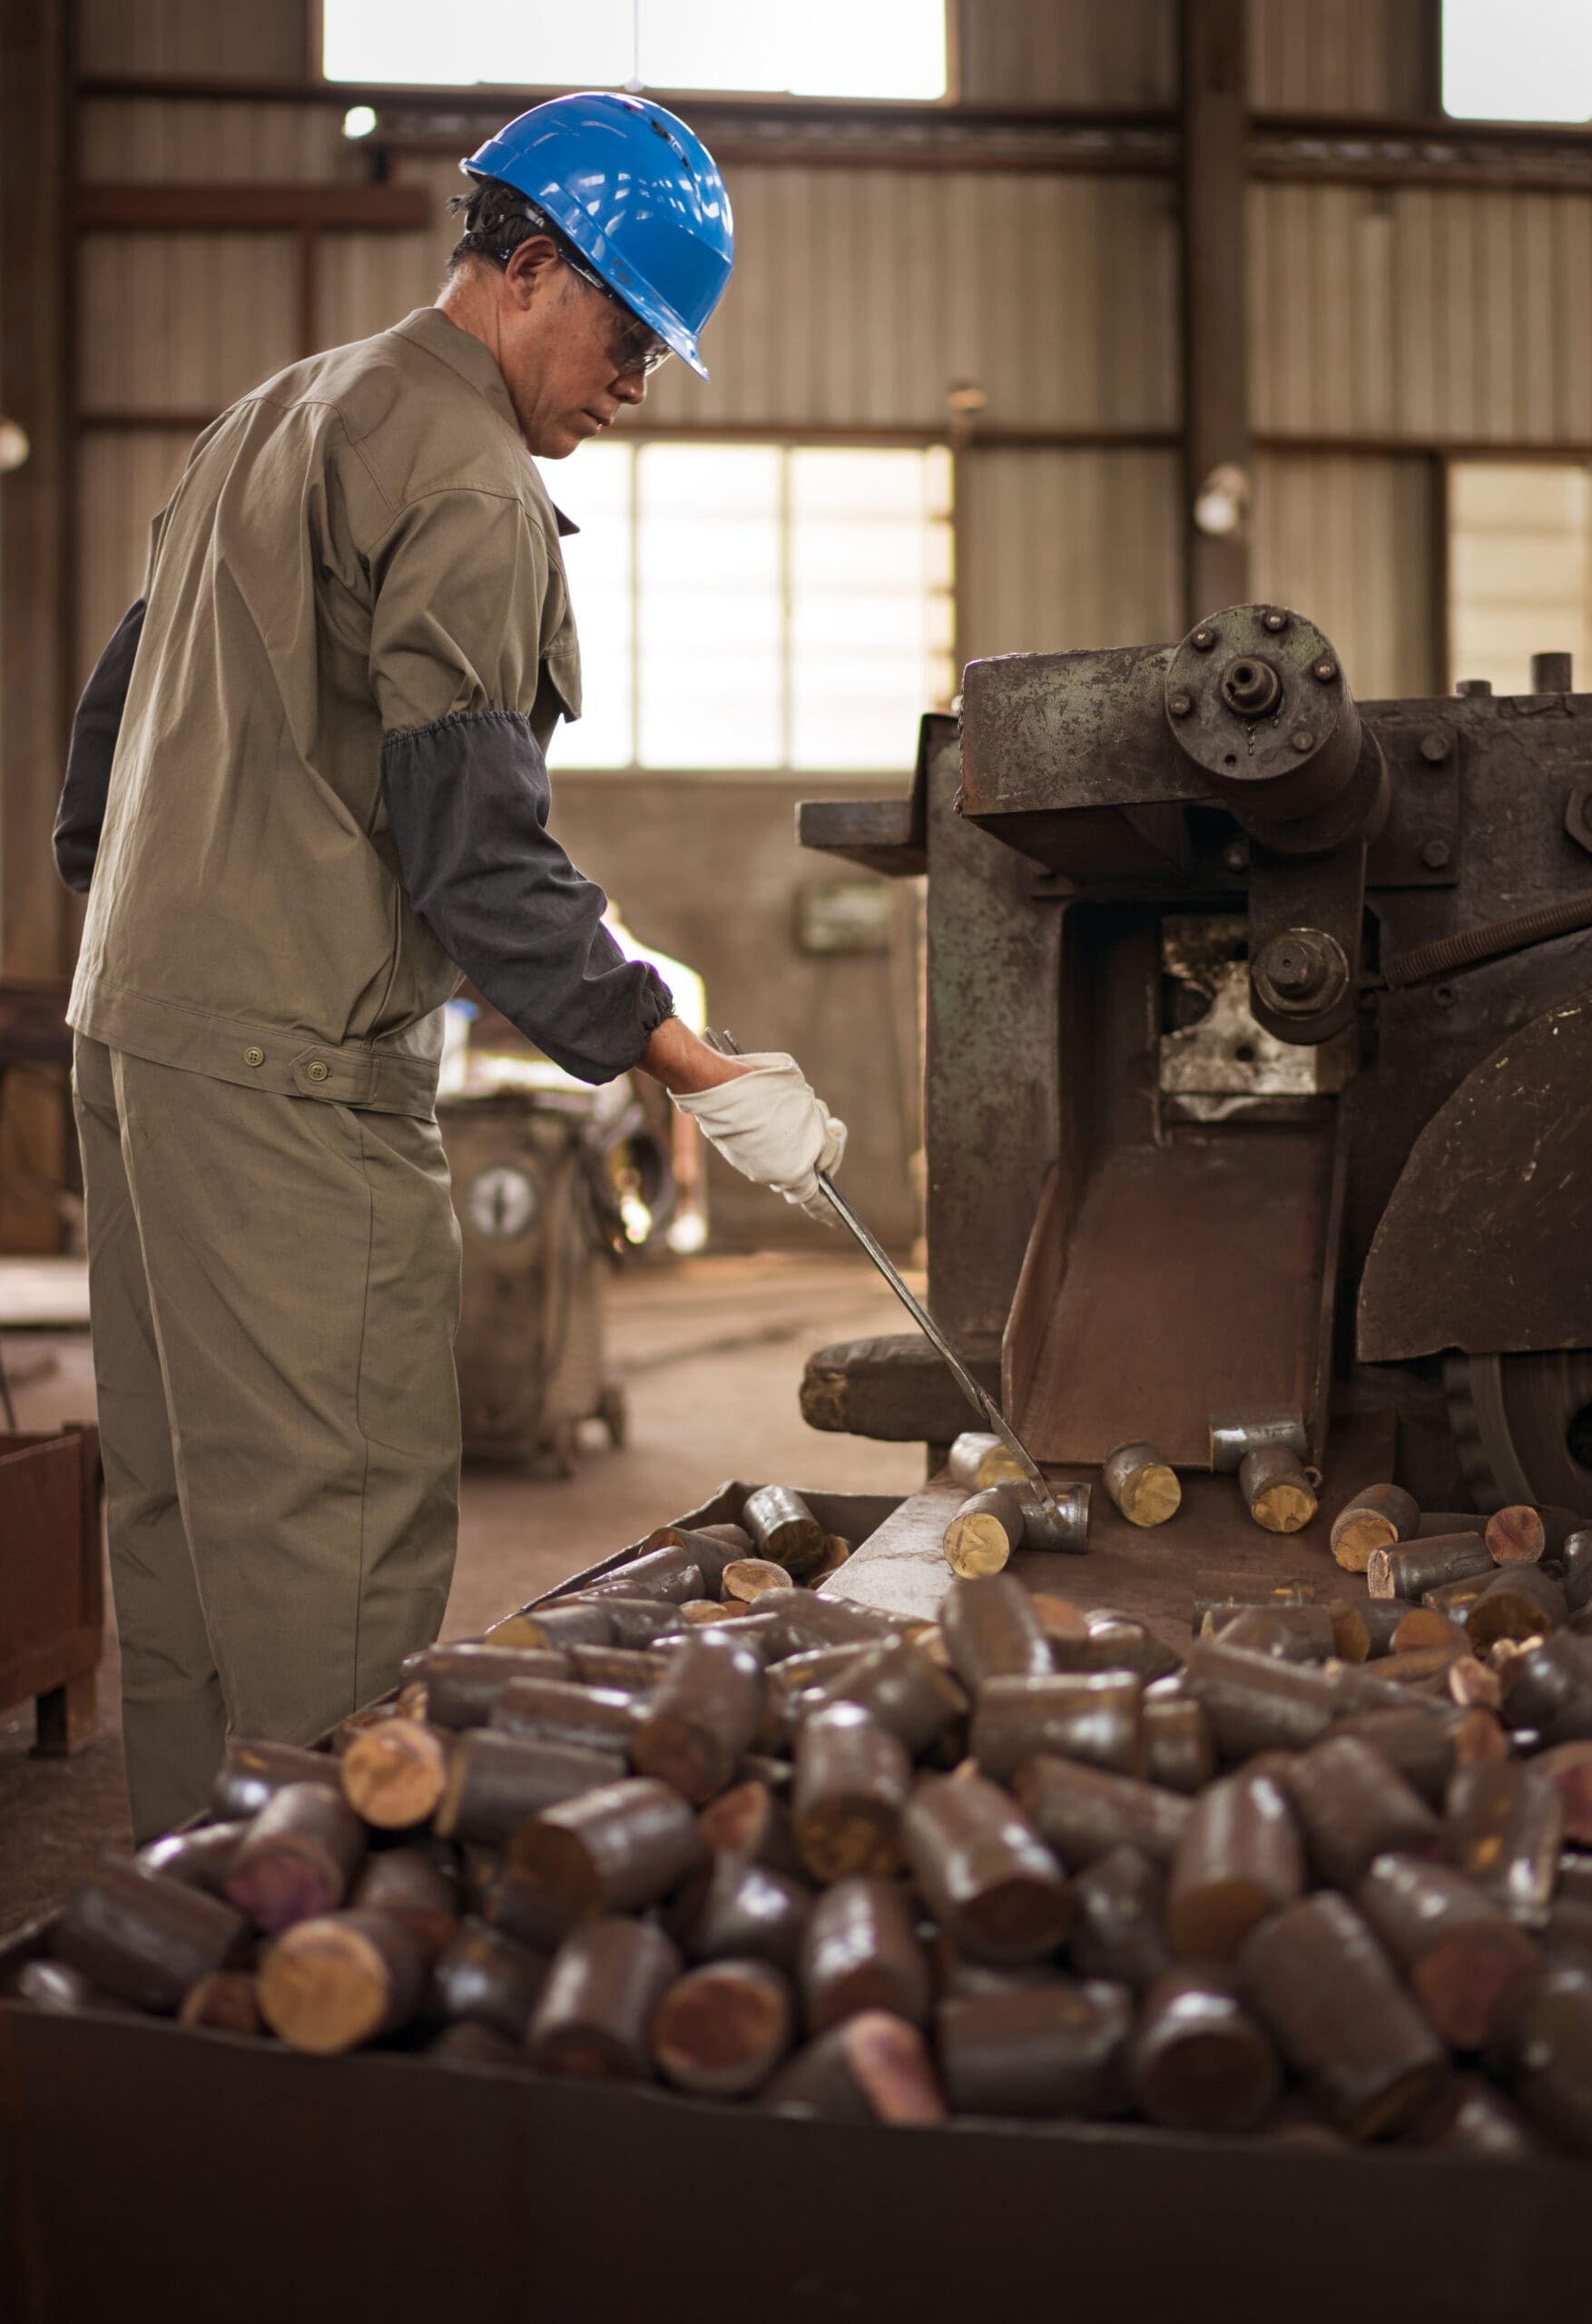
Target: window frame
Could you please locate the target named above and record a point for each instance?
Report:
(515, 98)
(637, 437)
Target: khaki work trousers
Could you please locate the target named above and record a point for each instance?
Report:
(274, 1288)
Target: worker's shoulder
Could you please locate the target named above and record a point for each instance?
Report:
(410, 423)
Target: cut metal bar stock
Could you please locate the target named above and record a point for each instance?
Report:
(981, 1401)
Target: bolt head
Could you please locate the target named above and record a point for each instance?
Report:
(1180, 705)
(1203, 640)
(1445, 996)
(1274, 622)
(1435, 854)
(1325, 671)
(1236, 856)
(1435, 747)
(1303, 739)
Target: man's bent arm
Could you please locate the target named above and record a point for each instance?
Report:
(81, 816)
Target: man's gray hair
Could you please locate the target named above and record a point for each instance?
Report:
(497, 220)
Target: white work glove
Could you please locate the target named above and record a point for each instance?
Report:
(768, 1125)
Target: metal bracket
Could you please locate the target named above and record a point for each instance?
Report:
(1420, 842)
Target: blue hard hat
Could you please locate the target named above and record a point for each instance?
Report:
(637, 193)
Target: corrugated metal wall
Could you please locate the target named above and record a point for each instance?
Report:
(1421, 314)
(1060, 550)
(1339, 56)
(1350, 542)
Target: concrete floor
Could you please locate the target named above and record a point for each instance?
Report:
(710, 1351)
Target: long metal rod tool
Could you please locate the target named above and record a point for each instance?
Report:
(979, 1398)
(983, 1403)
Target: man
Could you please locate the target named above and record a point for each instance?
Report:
(307, 782)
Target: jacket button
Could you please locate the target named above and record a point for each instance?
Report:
(253, 1057)
(318, 1072)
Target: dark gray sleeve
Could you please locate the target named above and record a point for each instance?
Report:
(82, 812)
(467, 799)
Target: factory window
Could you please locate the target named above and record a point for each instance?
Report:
(825, 48)
(1531, 61)
(758, 605)
(1519, 568)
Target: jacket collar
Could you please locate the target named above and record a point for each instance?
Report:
(477, 365)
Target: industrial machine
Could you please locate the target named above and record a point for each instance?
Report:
(1259, 1064)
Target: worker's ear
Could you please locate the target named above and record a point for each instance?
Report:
(532, 269)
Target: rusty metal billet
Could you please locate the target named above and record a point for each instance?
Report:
(978, 1459)
(1353, 1806)
(1240, 1858)
(1233, 1436)
(1516, 1535)
(987, 1529)
(1052, 2050)
(495, 1781)
(991, 1883)
(226, 2002)
(897, 1685)
(1113, 1642)
(1096, 1717)
(582, 1621)
(142, 1937)
(1277, 1492)
(710, 1546)
(1119, 1905)
(484, 1979)
(394, 1775)
(784, 1530)
(1545, 2048)
(1548, 1690)
(1201, 2062)
(1317, 1979)
(1141, 1484)
(853, 1777)
(1422, 1747)
(557, 1711)
(733, 1908)
(1410, 1569)
(202, 1857)
(1256, 1703)
(751, 1819)
(609, 1851)
(722, 2029)
(298, 1860)
(1460, 1950)
(1519, 1603)
(1506, 1822)
(992, 1631)
(870, 2068)
(462, 1683)
(331, 1983)
(1084, 1813)
(633, 1671)
(671, 1574)
(416, 1884)
(861, 1950)
(1292, 1633)
(1377, 1517)
(1215, 1591)
(1180, 1751)
(702, 1717)
(252, 1772)
(595, 2016)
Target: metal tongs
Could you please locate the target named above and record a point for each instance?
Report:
(983, 1403)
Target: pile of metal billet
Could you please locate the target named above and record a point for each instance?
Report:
(1023, 1862)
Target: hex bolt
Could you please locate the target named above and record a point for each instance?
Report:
(1435, 747)
(1300, 972)
(1275, 621)
(1203, 640)
(1303, 739)
(1436, 853)
(1290, 967)
(1325, 670)
(1180, 705)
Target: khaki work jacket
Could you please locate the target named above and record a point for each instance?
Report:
(361, 549)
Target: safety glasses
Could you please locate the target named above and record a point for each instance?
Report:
(634, 348)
